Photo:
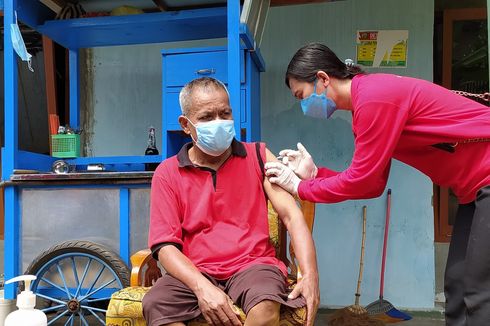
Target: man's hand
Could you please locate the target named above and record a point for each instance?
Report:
(308, 287)
(283, 176)
(300, 162)
(216, 307)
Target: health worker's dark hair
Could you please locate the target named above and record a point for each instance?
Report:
(314, 57)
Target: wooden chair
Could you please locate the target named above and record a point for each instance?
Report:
(125, 308)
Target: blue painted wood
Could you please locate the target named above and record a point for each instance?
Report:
(137, 29)
(116, 163)
(233, 24)
(10, 88)
(252, 123)
(210, 62)
(116, 159)
(33, 13)
(249, 42)
(245, 109)
(11, 240)
(34, 161)
(124, 224)
(74, 88)
(42, 162)
(165, 133)
(172, 109)
(11, 259)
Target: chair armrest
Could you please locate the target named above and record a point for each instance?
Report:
(144, 269)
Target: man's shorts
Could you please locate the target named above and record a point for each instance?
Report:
(170, 301)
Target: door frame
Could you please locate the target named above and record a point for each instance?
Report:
(442, 228)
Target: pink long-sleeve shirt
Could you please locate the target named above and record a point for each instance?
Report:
(401, 117)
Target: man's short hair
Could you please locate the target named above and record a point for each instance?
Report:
(202, 83)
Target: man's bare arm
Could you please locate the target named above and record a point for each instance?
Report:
(302, 240)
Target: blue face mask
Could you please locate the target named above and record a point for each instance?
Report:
(318, 106)
(18, 43)
(214, 137)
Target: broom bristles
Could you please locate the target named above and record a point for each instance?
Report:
(354, 315)
(385, 311)
(357, 309)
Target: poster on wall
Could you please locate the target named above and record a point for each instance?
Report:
(382, 48)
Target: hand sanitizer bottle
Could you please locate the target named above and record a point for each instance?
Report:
(26, 300)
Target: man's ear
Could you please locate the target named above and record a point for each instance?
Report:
(184, 124)
(323, 76)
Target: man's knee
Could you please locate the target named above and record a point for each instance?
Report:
(264, 313)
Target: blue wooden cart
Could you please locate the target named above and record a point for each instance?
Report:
(70, 215)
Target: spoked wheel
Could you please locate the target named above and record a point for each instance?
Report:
(75, 281)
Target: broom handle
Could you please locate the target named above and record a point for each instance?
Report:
(385, 244)
(361, 264)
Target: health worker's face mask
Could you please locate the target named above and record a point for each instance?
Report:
(18, 43)
(214, 137)
(318, 105)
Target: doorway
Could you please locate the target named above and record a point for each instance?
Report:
(464, 67)
(460, 63)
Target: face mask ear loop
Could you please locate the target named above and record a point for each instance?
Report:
(29, 65)
(195, 141)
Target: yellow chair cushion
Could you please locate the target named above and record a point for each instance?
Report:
(274, 226)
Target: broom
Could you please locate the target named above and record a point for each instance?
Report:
(355, 315)
(381, 309)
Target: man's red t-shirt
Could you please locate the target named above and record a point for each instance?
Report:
(217, 218)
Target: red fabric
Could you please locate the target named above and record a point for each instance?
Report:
(401, 117)
(324, 172)
(222, 230)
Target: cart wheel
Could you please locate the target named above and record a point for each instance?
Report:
(75, 281)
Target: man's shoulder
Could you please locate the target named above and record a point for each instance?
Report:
(252, 145)
(168, 166)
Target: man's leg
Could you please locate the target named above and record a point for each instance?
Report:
(169, 302)
(455, 268)
(265, 313)
(260, 290)
(477, 276)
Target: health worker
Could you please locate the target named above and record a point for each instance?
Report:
(444, 135)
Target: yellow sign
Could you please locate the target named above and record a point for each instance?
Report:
(382, 48)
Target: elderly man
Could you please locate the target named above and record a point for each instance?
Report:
(209, 227)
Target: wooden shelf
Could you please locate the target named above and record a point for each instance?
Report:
(137, 29)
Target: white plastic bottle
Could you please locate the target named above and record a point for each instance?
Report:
(26, 301)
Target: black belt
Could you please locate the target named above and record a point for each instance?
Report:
(451, 147)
